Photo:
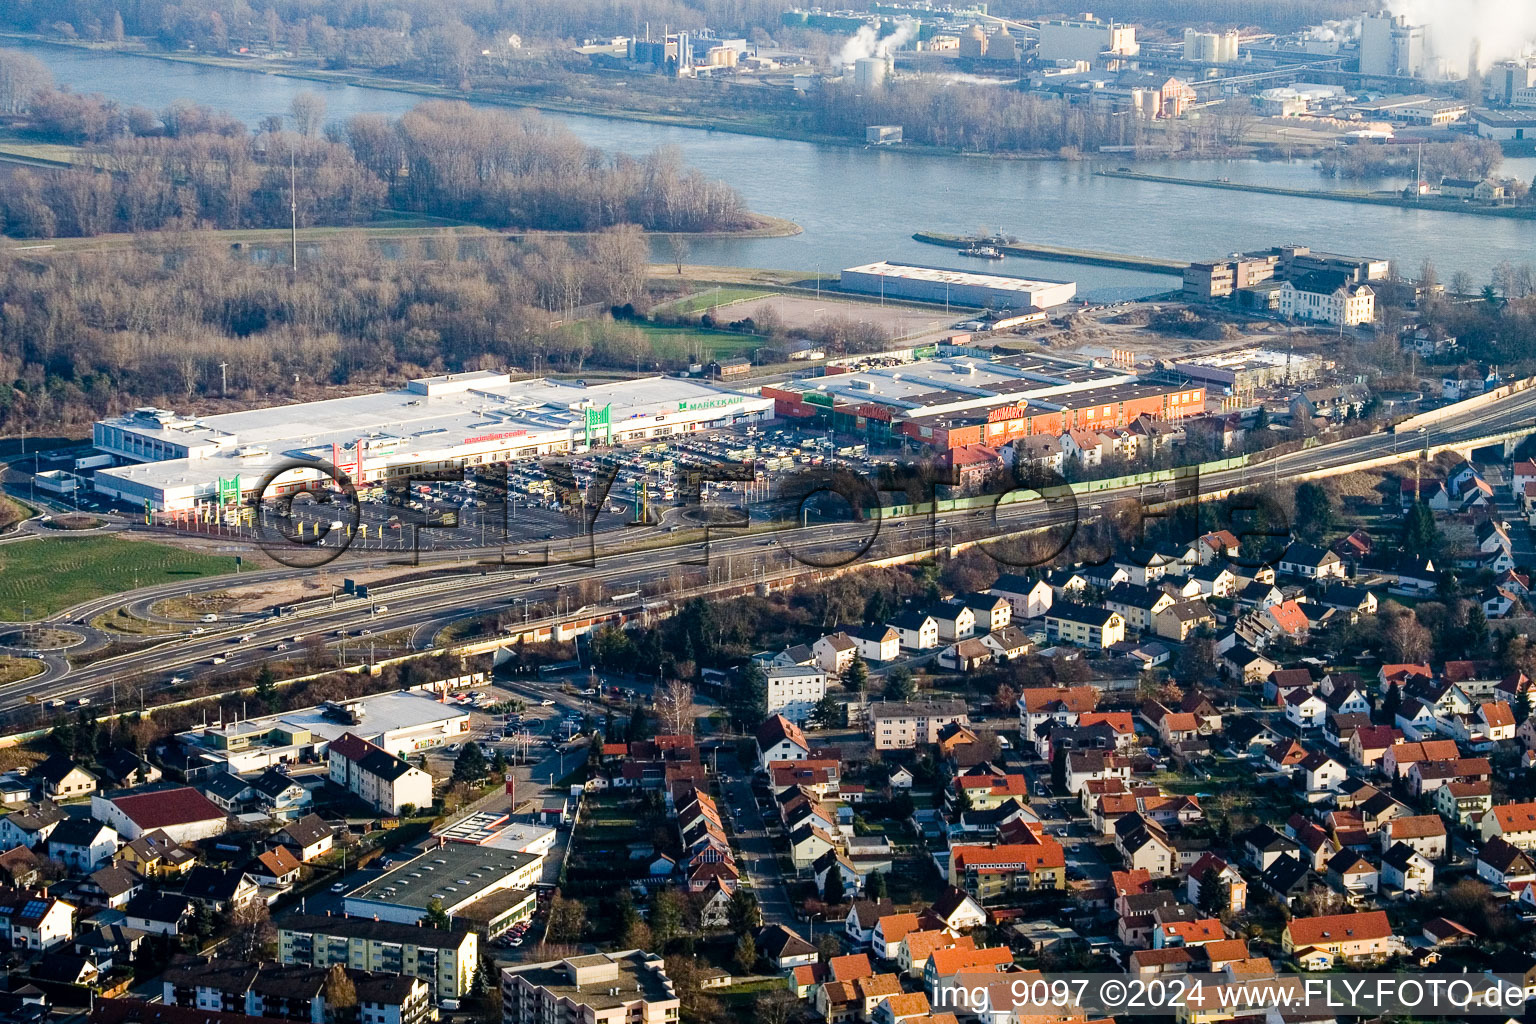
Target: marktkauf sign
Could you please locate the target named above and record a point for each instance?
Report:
(710, 403)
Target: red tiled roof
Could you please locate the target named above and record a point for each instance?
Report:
(1309, 931)
(1515, 817)
(167, 807)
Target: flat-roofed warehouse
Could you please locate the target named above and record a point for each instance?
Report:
(173, 462)
(965, 400)
(955, 287)
(456, 875)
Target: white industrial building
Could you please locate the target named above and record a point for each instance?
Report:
(1086, 38)
(1390, 46)
(402, 723)
(497, 829)
(1211, 47)
(173, 462)
(955, 287)
(793, 691)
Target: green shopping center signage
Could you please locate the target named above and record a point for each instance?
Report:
(599, 418)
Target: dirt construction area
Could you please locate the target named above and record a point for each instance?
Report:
(903, 323)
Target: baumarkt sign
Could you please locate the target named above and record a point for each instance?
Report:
(710, 403)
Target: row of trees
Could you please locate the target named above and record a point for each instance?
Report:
(193, 167)
(85, 334)
(1464, 158)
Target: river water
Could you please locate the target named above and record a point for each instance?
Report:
(857, 205)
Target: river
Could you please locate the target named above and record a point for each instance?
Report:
(857, 205)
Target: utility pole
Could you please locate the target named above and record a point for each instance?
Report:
(293, 207)
(223, 380)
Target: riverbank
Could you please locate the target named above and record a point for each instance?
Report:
(1061, 253)
(584, 108)
(1364, 198)
(392, 229)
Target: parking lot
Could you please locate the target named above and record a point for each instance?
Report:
(527, 507)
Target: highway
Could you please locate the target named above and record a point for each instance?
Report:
(467, 589)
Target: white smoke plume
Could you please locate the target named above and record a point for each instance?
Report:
(1329, 31)
(867, 43)
(1502, 29)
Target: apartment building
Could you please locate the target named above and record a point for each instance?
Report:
(631, 987)
(292, 992)
(794, 690)
(383, 781)
(904, 726)
(446, 960)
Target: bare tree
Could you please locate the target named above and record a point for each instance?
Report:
(21, 75)
(679, 247)
(308, 112)
(340, 994)
(674, 709)
(251, 931)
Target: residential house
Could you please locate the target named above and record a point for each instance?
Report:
(1406, 869)
(1424, 832)
(1085, 626)
(992, 612)
(1515, 823)
(59, 778)
(159, 913)
(1311, 562)
(1345, 937)
(1182, 619)
(1210, 866)
(988, 871)
(33, 922)
(793, 691)
(1319, 772)
(957, 911)
(1464, 803)
(1028, 598)
(779, 739)
(277, 868)
(916, 630)
(859, 923)
(82, 844)
(111, 887)
(307, 839)
(157, 855)
(954, 621)
(1305, 710)
(281, 796)
(876, 643)
(1505, 866)
(834, 653)
(1353, 875)
(1369, 744)
(220, 888)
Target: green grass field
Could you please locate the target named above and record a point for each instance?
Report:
(715, 296)
(682, 342)
(51, 574)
